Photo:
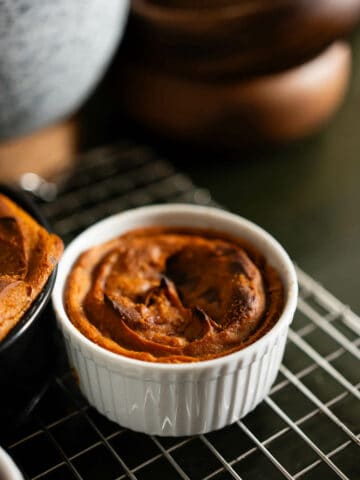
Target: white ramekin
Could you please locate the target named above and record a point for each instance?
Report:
(181, 399)
(8, 469)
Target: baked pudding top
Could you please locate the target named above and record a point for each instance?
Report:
(173, 295)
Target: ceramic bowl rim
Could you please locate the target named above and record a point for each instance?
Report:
(39, 304)
(100, 352)
(8, 466)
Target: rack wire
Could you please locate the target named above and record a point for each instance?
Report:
(307, 428)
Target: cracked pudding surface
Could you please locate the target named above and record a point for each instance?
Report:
(28, 255)
(173, 295)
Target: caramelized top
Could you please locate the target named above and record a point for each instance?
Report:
(173, 295)
(28, 255)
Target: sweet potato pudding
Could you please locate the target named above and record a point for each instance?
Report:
(173, 294)
(28, 255)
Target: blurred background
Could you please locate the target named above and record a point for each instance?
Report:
(252, 104)
(257, 100)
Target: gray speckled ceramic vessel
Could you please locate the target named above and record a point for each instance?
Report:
(52, 54)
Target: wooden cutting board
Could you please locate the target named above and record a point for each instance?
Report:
(47, 152)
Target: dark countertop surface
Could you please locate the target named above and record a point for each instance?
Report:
(306, 194)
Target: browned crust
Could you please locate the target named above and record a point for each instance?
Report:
(28, 255)
(173, 294)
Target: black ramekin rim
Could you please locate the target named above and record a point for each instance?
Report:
(22, 199)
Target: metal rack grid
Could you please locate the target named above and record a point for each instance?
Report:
(309, 425)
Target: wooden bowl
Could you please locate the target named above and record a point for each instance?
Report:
(223, 39)
(269, 108)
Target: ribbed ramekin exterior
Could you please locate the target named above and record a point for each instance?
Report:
(183, 399)
(187, 403)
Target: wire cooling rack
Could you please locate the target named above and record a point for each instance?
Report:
(307, 428)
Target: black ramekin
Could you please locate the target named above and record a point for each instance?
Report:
(27, 354)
